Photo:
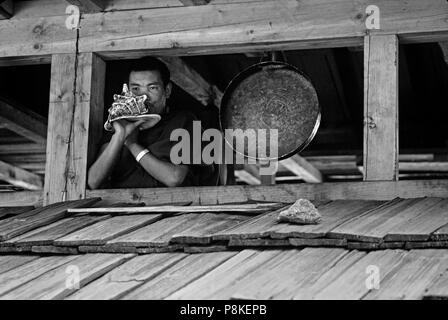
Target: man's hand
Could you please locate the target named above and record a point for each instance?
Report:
(123, 129)
(132, 138)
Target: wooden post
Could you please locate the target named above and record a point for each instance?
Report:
(381, 107)
(74, 124)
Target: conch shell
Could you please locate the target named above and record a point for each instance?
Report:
(126, 105)
(301, 212)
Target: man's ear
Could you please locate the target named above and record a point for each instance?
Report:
(168, 89)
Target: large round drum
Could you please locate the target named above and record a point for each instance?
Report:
(271, 96)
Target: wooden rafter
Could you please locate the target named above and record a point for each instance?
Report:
(6, 9)
(302, 168)
(20, 177)
(246, 177)
(88, 6)
(248, 173)
(22, 148)
(23, 122)
(191, 81)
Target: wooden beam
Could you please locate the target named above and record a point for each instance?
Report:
(60, 131)
(6, 9)
(88, 6)
(251, 26)
(381, 107)
(375, 190)
(22, 148)
(19, 177)
(247, 177)
(191, 81)
(23, 122)
(21, 198)
(74, 124)
(24, 61)
(302, 168)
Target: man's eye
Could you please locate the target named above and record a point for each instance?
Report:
(153, 88)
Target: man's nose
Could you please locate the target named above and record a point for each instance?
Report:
(142, 90)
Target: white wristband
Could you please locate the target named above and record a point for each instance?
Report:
(141, 154)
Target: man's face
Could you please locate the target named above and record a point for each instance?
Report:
(150, 83)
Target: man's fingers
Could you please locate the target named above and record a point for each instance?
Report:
(138, 123)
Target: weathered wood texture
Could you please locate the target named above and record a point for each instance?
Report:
(75, 114)
(23, 122)
(352, 224)
(12, 211)
(156, 234)
(311, 273)
(21, 198)
(351, 283)
(182, 273)
(236, 267)
(277, 24)
(100, 232)
(20, 177)
(55, 284)
(222, 27)
(381, 107)
(374, 190)
(266, 225)
(60, 137)
(207, 225)
(38, 217)
(280, 277)
(375, 225)
(412, 276)
(438, 289)
(8, 262)
(28, 271)
(303, 169)
(420, 227)
(128, 276)
(46, 235)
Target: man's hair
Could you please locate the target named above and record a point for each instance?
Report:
(151, 64)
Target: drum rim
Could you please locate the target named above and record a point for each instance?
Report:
(255, 68)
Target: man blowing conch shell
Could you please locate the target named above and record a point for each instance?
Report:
(135, 148)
